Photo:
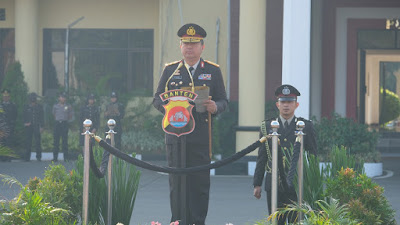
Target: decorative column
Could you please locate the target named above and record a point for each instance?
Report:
(27, 41)
(252, 32)
(296, 50)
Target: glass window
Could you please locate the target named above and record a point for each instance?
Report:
(100, 60)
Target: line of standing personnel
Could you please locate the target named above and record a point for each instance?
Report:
(62, 112)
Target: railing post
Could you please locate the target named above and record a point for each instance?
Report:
(111, 125)
(300, 126)
(274, 188)
(86, 166)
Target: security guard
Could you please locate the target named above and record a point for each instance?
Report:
(286, 104)
(193, 71)
(89, 111)
(10, 113)
(116, 111)
(62, 112)
(33, 122)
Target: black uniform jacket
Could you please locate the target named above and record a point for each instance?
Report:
(34, 115)
(287, 139)
(10, 110)
(111, 110)
(91, 112)
(206, 73)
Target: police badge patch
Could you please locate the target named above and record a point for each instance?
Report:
(178, 119)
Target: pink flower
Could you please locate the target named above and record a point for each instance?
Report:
(175, 223)
(155, 223)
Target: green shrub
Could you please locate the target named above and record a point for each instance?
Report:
(340, 131)
(31, 208)
(142, 129)
(392, 106)
(328, 213)
(364, 197)
(224, 135)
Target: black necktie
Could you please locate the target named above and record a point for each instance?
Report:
(286, 125)
(191, 69)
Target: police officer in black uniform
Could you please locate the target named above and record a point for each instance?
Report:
(116, 111)
(287, 104)
(202, 73)
(33, 122)
(89, 111)
(10, 113)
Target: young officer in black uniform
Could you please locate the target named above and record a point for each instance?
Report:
(33, 122)
(203, 73)
(10, 113)
(116, 111)
(92, 112)
(287, 104)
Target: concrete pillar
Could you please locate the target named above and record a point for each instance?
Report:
(296, 50)
(251, 68)
(316, 58)
(26, 41)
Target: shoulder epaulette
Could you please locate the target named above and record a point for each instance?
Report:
(212, 63)
(172, 63)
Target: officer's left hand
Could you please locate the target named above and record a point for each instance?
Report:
(211, 106)
(41, 130)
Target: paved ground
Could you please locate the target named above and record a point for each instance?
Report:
(231, 197)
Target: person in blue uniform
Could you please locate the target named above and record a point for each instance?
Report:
(63, 113)
(33, 122)
(195, 71)
(287, 104)
(92, 112)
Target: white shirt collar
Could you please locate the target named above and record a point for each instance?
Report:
(194, 66)
(288, 120)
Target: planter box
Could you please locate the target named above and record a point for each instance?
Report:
(373, 169)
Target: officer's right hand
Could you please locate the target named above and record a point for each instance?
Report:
(257, 192)
(27, 124)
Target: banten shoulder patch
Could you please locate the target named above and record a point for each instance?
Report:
(212, 63)
(172, 63)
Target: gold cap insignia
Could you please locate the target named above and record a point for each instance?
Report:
(191, 31)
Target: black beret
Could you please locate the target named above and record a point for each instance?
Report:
(191, 33)
(32, 97)
(287, 92)
(62, 94)
(91, 96)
